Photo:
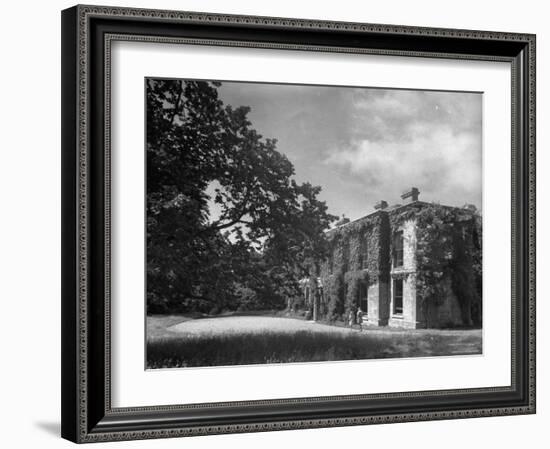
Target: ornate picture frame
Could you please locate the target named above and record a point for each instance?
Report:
(88, 33)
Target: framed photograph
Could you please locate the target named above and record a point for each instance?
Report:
(277, 224)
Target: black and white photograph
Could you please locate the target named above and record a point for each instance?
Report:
(294, 223)
(275, 224)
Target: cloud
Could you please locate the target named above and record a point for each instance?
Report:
(393, 115)
(431, 140)
(365, 144)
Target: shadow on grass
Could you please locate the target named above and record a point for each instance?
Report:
(301, 346)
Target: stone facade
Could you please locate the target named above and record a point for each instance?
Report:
(373, 266)
(404, 272)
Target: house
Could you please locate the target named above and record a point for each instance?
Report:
(411, 265)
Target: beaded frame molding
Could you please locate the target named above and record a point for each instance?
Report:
(87, 34)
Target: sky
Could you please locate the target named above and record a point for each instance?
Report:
(363, 145)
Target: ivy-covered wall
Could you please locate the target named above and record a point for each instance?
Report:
(447, 266)
(359, 255)
(448, 263)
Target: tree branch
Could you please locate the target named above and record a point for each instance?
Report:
(176, 106)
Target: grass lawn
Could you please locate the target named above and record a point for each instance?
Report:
(160, 326)
(179, 341)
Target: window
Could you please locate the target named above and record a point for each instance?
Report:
(398, 249)
(363, 298)
(363, 260)
(398, 296)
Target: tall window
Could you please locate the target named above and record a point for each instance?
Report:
(398, 249)
(363, 260)
(363, 298)
(398, 296)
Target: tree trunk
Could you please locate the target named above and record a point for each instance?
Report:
(316, 292)
(316, 305)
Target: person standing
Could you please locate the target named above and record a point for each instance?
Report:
(359, 318)
(351, 318)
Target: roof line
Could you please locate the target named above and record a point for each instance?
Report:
(391, 209)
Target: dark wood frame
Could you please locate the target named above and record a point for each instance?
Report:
(87, 32)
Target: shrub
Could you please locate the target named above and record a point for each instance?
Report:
(335, 306)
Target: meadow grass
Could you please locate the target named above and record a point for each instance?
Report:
(301, 346)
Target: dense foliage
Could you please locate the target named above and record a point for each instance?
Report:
(335, 292)
(227, 225)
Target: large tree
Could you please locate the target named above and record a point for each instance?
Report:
(223, 209)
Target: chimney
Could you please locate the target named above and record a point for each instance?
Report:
(412, 194)
(381, 205)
